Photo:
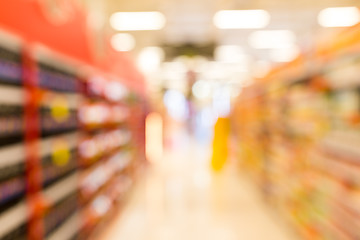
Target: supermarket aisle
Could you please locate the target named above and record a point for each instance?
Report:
(180, 199)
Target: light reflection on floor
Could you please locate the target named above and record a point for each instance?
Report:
(181, 199)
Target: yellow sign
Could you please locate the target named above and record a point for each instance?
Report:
(60, 153)
(59, 109)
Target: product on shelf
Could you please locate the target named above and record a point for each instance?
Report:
(63, 116)
(11, 123)
(60, 212)
(99, 175)
(61, 163)
(107, 151)
(10, 66)
(297, 131)
(56, 79)
(13, 217)
(101, 144)
(97, 115)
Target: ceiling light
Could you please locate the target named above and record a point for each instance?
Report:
(339, 17)
(123, 42)
(241, 19)
(137, 21)
(271, 39)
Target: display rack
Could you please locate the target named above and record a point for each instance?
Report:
(70, 148)
(49, 186)
(106, 150)
(13, 203)
(298, 134)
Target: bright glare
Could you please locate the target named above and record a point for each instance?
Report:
(269, 39)
(201, 89)
(339, 17)
(137, 21)
(153, 135)
(123, 42)
(176, 105)
(150, 58)
(230, 54)
(284, 54)
(241, 19)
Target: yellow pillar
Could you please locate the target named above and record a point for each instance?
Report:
(220, 143)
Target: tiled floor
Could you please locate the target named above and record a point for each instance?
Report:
(181, 199)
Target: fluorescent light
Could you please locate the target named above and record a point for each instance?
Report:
(271, 39)
(284, 54)
(123, 42)
(137, 21)
(150, 58)
(241, 19)
(339, 17)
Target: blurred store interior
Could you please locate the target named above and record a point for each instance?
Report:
(179, 120)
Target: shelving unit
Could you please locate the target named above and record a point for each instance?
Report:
(47, 74)
(298, 134)
(106, 151)
(68, 154)
(13, 207)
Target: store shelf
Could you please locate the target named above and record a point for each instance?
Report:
(10, 41)
(71, 101)
(303, 133)
(103, 144)
(61, 189)
(11, 155)
(100, 175)
(71, 140)
(343, 144)
(68, 229)
(43, 89)
(12, 95)
(13, 218)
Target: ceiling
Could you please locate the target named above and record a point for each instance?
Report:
(191, 21)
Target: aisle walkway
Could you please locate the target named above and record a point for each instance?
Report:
(180, 199)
